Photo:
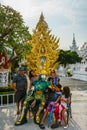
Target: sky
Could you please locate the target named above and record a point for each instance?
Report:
(64, 17)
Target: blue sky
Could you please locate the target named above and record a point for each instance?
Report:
(64, 17)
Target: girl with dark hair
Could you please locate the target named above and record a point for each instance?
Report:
(61, 108)
(66, 91)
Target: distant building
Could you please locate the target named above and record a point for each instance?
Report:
(83, 52)
(74, 46)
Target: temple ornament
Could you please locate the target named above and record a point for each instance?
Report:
(45, 48)
(4, 62)
(4, 69)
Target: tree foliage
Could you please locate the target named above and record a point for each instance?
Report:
(13, 33)
(68, 57)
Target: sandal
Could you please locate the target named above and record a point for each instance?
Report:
(42, 126)
(56, 125)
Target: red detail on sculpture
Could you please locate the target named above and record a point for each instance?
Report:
(4, 61)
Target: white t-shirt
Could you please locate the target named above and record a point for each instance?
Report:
(64, 103)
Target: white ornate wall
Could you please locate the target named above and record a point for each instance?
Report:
(4, 77)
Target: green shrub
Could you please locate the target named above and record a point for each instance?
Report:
(6, 89)
(69, 73)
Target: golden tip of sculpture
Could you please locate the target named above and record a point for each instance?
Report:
(44, 72)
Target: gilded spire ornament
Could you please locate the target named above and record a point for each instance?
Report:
(44, 48)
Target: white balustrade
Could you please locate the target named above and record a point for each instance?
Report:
(7, 102)
(79, 71)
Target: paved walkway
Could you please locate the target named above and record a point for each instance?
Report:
(7, 119)
(79, 108)
(79, 111)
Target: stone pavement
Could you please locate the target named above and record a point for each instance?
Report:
(7, 119)
(79, 110)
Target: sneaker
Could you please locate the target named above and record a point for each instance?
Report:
(66, 126)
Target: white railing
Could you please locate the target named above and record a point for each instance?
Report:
(78, 70)
(80, 75)
(5, 100)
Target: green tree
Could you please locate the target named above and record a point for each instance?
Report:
(68, 57)
(13, 34)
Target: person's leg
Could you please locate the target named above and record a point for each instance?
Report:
(64, 116)
(22, 98)
(17, 98)
(44, 117)
(56, 114)
(23, 116)
(43, 120)
(17, 105)
(49, 107)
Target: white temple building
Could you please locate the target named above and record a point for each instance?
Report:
(83, 52)
(74, 46)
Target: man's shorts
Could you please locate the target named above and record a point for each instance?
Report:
(20, 95)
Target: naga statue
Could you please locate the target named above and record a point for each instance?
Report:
(35, 97)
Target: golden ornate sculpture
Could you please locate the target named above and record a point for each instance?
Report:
(44, 48)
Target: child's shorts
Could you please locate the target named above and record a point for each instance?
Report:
(49, 107)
